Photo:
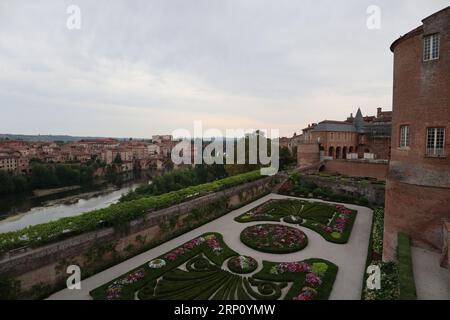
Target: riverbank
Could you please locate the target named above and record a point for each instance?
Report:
(76, 206)
(22, 210)
(38, 193)
(75, 198)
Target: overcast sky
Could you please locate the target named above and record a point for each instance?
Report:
(137, 68)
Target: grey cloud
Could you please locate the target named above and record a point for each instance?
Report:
(281, 63)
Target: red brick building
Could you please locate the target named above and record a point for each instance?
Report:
(356, 135)
(418, 185)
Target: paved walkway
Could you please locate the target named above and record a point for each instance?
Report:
(432, 281)
(350, 258)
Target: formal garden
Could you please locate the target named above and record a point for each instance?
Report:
(206, 268)
(333, 222)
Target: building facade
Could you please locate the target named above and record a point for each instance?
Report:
(418, 184)
(354, 138)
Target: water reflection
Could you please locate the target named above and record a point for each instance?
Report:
(26, 211)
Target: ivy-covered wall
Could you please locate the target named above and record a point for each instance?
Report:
(373, 191)
(43, 270)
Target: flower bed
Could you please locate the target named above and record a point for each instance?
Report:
(273, 238)
(114, 290)
(211, 245)
(333, 222)
(313, 278)
(339, 227)
(242, 264)
(194, 271)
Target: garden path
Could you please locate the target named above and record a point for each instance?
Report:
(350, 257)
(432, 281)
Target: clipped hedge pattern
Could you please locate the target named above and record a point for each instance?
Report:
(333, 222)
(202, 277)
(315, 276)
(116, 215)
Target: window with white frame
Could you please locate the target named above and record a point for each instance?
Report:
(435, 142)
(431, 47)
(404, 136)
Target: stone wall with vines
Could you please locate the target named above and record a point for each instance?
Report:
(43, 270)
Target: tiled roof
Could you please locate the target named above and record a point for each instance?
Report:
(339, 126)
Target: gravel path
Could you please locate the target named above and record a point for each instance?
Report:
(432, 281)
(350, 257)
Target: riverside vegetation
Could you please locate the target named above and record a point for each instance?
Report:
(115, 215)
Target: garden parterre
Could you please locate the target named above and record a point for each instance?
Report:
(333, 222)
(194, 271)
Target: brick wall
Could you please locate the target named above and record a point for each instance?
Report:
(308, 154)
(417, 211)
(358, 169)
(418, 187)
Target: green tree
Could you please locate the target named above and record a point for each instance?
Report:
(286, 158)
(117, 159)
(67, 175)
(87, 174)
(21, 183)
(235, 169)
(43, 176)
(6, 183)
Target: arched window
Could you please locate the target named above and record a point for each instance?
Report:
(331, 152)
(338, 152)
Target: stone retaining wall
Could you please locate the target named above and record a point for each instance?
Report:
(357, 189)
(358, 168)
(44, 268)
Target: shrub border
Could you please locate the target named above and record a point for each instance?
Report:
(116, 215)
(405, 268)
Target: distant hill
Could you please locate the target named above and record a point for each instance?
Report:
(67, 138)
(25, 137)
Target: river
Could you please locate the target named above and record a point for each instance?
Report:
(23, 211)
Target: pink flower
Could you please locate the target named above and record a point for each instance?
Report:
(306, 294)
(312, 279)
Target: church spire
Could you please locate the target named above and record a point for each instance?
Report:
(358, 121)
